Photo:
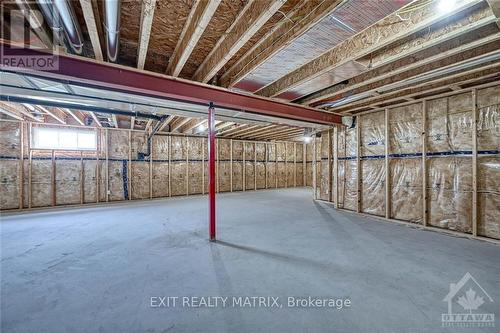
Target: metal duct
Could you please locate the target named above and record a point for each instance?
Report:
(52, 19)
(61, 16)
(29, 101)
(442, 72)
(112, 25)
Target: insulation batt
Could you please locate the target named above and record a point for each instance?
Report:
(448, 163)
(174, 165)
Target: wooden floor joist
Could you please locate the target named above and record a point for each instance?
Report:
(96, 120)
(92, 28)
(10, 113)
(236, 128)
(435, 87)
(52, 114)
(424, 77)
(400, 70)
(74, 116)
(251, 18)
(257, 130)
(368, 41)
(147, 13)
(166, 122)
(199, 17)
(309, 13)
(236, 132)
(262, 132)
(495, 8)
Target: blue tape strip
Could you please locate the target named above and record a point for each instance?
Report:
(375, 157)
(72, 158)
(409, 155)
(125, 178)
(488, 152)
(450, 153)
(412, 155)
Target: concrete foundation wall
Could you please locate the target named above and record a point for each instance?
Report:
(121, 168)
(432, 145)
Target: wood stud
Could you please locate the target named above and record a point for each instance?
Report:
(217, 164)
(97, 168)
(294, 164)
(424, 165)
(330, 196)
(358, 161)
(30, 167)
(187, 164)
(150, 167)
(315, 175)
(129, 169)
(266, 160)
(107, 165)
(53, 177)
(286, 167)
(304, 164)
(231, 164)
(21, 166)
(82, 179)
(474, 163)
(244, 166)
(387, 165)
(335, 167)
(202, 166)
(255, 166)
(276, 164)
(169, 140)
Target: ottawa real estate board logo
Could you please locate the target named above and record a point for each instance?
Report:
(466, 303)
(31, 25)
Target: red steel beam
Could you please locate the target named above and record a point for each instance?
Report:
(111, 76)
(211, 172)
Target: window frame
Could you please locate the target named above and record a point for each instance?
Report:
(34, 137)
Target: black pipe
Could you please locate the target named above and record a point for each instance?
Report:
(136, 114)
(158, 124)
(153, 132)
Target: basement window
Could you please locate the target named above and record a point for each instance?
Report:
(63, 138)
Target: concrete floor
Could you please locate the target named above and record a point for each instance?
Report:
(95, 269)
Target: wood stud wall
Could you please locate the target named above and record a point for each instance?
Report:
(333, 182)
(103, 154)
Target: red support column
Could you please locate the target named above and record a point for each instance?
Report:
(211, 171)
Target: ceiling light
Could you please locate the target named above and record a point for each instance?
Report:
(446, 6)
(202, 128)
(307, 139)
